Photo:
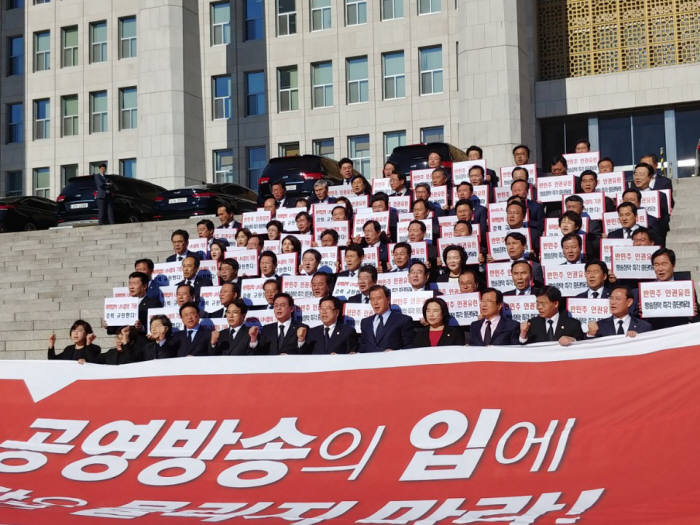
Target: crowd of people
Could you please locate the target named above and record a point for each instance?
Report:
(382, 248)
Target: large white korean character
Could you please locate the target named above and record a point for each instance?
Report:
(296, 512)
(531, 440)
(37, 443)
(463, 465)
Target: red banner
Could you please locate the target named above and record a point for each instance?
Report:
(602, 432)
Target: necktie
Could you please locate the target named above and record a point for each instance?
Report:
(595, 295)
(188, 282)
(550, 330)
(280, 337)
(627, 233)
(352, 274)
(487, 334)
(521, 292)
(366, 299)
(620, 331)
(326, 331)
(380, 327)
(179, 257)
(189, 335)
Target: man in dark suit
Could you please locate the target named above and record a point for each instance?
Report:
(281, 337)
(386, 329)
(235, 339)
(354, 253)
(659, 226)
(180, 240)
(228, 293)
(627, 213)
(552, 324)
(664, 263)
(571, 246)
(397, 182)
(320, 195)
(146, 266)
(366, 279)
(103, 196)
(596, 277)
(521, 188)
(225, 213)
(195, 339)
(279, 192)
(331, 337)
(190, 274)
(493, 328)
(658, 182)
(621, 321)
(521, 273)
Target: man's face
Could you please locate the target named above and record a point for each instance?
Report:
(588, 184)
(226, 295)
(182, 296)
(571, 251)
(394, 182)
(328, 313)
(303, 224)
(464, 213)
(308, 262)
(650, 161)
(520, 156)
(223, 216)
(278, 192)
(619, 303)
(439, 178)
(605, 166)
(641, 178)
(631, 197)
(270, 205)
(371, 235)
(519, 190)
(663, 268)
(581, 147)
(226, 272)
(253, 243)
(379, 206)
(379, 302)
(467, 283)
(433, 160)
(190, 317)
(463, 192)
(558, 168)
(346, 170)
(595, 277)
(547, 308)
(627, 217)
(267, 266)
(270, 290)
(415, 233)
(461, 230)
(352, 260)
(514, 248)
(514, 216)
(473, 155)
(642, 239)
(339, 214)
(319, 285)
(327, 240)
(203, 232)
(401, 256)
(364, 281)
(476, 177)
(358, 186)
(143, 268)
(417, 276)
(136, 287)
(283, 310)
(420, 211)
(574, 206)
(489, 307)
(189, 268)
(321, 192)
(522, 275)
(179, 244)
(234, 316)
(421, 193)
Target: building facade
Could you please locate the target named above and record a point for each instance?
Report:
(180, 92)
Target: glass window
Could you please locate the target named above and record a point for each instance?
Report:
(69, 112)
(127, 168)
(98, 41)
(69, 45)
(286, 17)
(127, 37)
(320, 15)
(553, 140)
(323, 147)
(128, 104)
(393, 139)
(428, 6)
(13, 184)
(14, 4)
(430, 70)
(15, 59)
(221, 86)
(358, 84)
(68, 171)
(615, 139)
(98, 111)
(95, 166)
(39, 2)
(42, 182)
(393, 72)
(322, 84)
(392, 9)
(257, 159)
(255, 93)
(358, 150)
(432, 134)
(288, 149)
(287, 82)
(42, 119)
(575, 129)
(42, 51)
(223, 165)
(649, 134)
(15, 127)
(355, 12)
(220, 23)
(254, 20)
(687, 136)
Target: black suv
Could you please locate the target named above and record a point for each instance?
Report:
(132, 199)
(26, 213)
(415, 156)
(298, 174)
(203, 200)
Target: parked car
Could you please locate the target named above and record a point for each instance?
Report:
(203, 200)
(415, 156)
(132, 200)
(27, 213)
(299, 174)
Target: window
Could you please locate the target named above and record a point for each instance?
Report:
(42, 182)
(288, 149)
(14, 4)
(286, 17)
(128, 108)
(254, 20)
(393, 139)
(358, 85)
(323, 147)
(255, 93)
(392, 9)
(430, 70)
(15, 59)
(221, 108)
(355, 12)
(257, 159)
(68, 171)
(220, 23)
(358, 150)
(15, 128)
(288, 88)
(127, 37)
(69, 45)
(223, 165)
(320, 15)
(95, 166)
(393, 72)
(127, 168)
(69, 112)
(39, 2)
(13, 184)
(98, 111)
(42, 118)
(434, 134)
(428, 6)
(322, 84)
(649, 134)
(615, 138)
(98, 41)
(42, 51)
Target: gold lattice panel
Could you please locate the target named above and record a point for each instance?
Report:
(591, 37)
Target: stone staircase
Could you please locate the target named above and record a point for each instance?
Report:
(684, 237)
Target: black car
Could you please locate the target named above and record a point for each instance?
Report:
(299, 174)
(132, 199)
(415, 156)
(26, 213)
(203, 200)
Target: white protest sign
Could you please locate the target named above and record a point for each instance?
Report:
(359, 201)
(419, 252)
(310, 314)
(611, 183)
(260, 317)
(303, 238)
(322, 215)
(272, 246)
(576, 163)
(606, 246)
(121, 291)
(200, 244)
(551, 253)
(298, 286)
(611, 220)
(507, 174)
(587, 310)
(522, 307)
(169, 295)
(402, 204)
(633, 262)
(346, 287)
(340, 190)
(449, 288)
(354, 313)
(498, 276)
(569, 278)
(501, 193)
(460, 170)
(470, 245)
(411, 303)
(211, 267)
(247, 261)
(220, 323)
(342, 228)
(121, 311)
(483, 193)
(402, 229)
(256, 221)
(439, 195)
(367, 214)
(287, 216)
(252, 291)
(421, 176)
(209, 295)
(397, 282)
(464, 307)
(497, 242)
(226, 233)
(593, 204)
(551, 189)
(171, 312)
(666, 299)
(288, 263)
(381, 184)
(651, 202)
(329, 258)
(172, 270)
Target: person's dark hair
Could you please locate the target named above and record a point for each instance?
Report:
(141, 276)
(477, 149)
(574, 198)
(332, 233)
(469, 226)
(648, 167)
(629, 205)
(240, 304)
(148, 262)
(642, 230)
(380, 196)
(559, 159)
(499, 294)
(189, 287)
(277, 224)
(165, 321)
(303, 214)
(583, 141)
(315, 253)
(195, 259)
(516, 148)
(278, 182)
(418, 263)
(573, 217)
(366, 186)
(405, 245)
(518, 237)
(600, 264)
(184, 234)
(628, 292)
(133, 333)
(464, 202)
(520, 261)
(442, 170)
(444, 310)
(516, 181)
(229, 209)
(269, 253)
(479, 168)
(102, 165)
(375, 225)
(325, 275)
(462, 255)
(467, 184)
(436, 153)
(349, 212)
(422, 201)
(393, 165)
(220, 244)
(589, 172)
(86, 326)
(423, 185)
(207, 223)
(384, 289)
(189, 305)
(552, 293)
(476, 274)
(342, 208)
(520, 168)
(345, 160)
(272, 281)
(289, 298)
(570, 236)
(246, 232)
(233, 263)
(605, 159)
(667, 252)
(637, 193)
(653, 156)
(519, 204)
(355, 248)
(421, 224)
(295, 242)
(304, 201)
(401, 176)
(337, 305)
(368, 268)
